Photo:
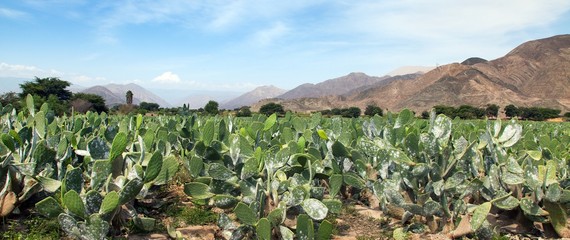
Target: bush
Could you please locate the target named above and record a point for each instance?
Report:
(211, 108)
(243, 112)
(372, 110)
(271, 108)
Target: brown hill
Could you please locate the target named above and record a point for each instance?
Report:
(536, 73)
(336, 86)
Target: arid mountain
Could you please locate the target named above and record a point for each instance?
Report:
(405, 70)
(536, 73)
(253, 96)
(336, 86)
(115, 94)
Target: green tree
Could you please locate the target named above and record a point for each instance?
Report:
(511, 111)
(492, 110)
(10, 98)
(51, 90)
(271, 108)
(44, 87)
(151, 107)
(243, 112)
(372, 110)
(351, 112)
(211, 107)
(84, 102)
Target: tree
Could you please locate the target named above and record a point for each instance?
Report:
(211, 107)
(151, 107)
(44, 87)
(51, 90)
(351, 112)
(492, 110)
(271, 108)
(372, 110)
(243, 112)
(425, 114)
(84, 102)
(10, 98)
(129, 96)
(511, 111)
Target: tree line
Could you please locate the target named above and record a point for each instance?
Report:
(54, 92)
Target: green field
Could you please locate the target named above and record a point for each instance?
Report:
(94, 173)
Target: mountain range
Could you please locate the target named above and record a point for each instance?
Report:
(115, 94)
(535, 73)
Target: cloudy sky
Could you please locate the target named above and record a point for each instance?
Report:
(235, 45)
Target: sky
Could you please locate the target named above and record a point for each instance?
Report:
(237, 45)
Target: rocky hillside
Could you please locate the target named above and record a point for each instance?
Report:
(114, 94)
(536, 73)
(336, 86)
(253, 96)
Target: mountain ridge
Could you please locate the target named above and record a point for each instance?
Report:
(535, 73)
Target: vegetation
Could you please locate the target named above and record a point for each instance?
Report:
(271, 108)
(492, 111)
(372, 110)
(531, 113)
(50, 90)
(129, 97)
(211, 108)
(351, 112)
(149, 107)
(94, 173)
(243, 112)
(83, 102)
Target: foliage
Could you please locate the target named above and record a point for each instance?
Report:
(211, 107)
(511, 111)
(243, 112)
(48, 90)
(151, 107)
(492, 110)
(44, 87)
(531, 113)
(271, 108)
(351, 112)
(84, 102)
(10, 98)
(91, 171)
(372, 110)
(463, 111)
(538, 113)
(129, 97)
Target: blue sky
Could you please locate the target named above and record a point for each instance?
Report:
(237, 45)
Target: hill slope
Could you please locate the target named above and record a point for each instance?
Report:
(336, 86)
(536, 73)
(253, 96)
(114, 94)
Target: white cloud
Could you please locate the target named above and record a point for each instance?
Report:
(167, 78)
(27, 71)
(450, 18)
(17, 70)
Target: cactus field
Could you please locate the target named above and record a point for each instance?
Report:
(286, 177)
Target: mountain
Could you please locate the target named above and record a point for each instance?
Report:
(336, 86)
(114, 94)
(253, 96)
(410, 70)
(532, 74)
(199, 99)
